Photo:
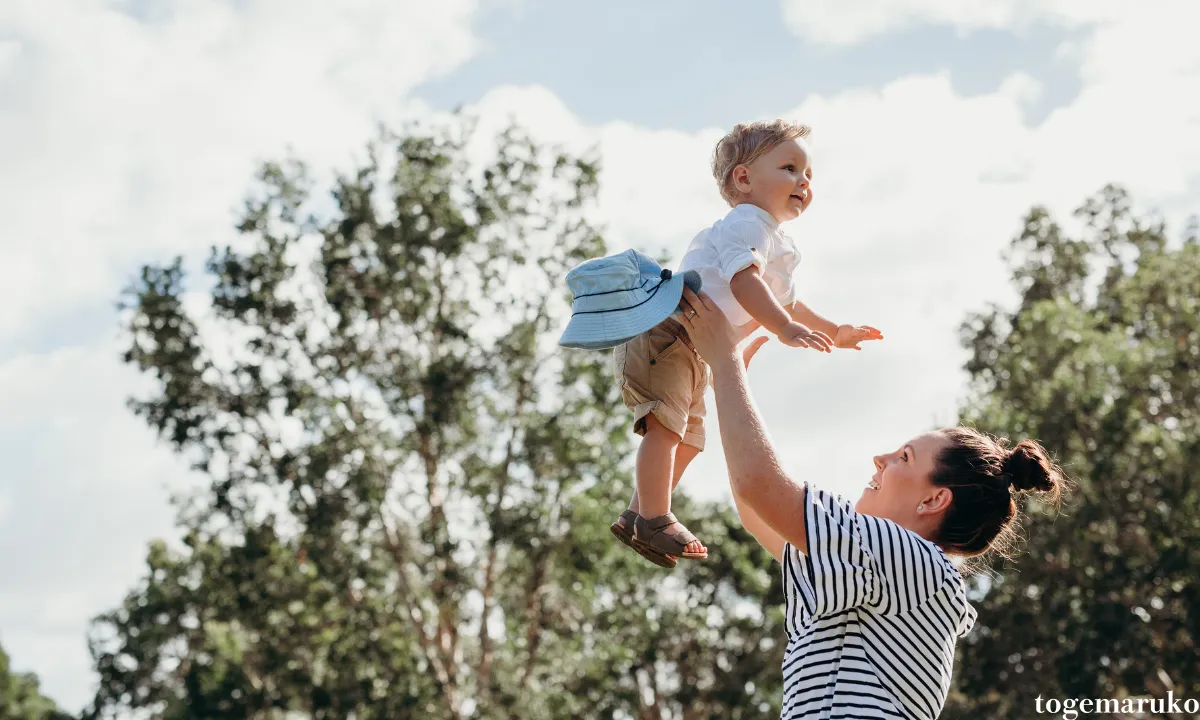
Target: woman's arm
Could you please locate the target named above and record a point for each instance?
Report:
(755, 475)
(771, 541)
(768, 538)
(754, 472)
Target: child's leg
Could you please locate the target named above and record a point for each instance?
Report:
(654, 471)
(655, 464)
(684, 455)
(692, 442)
(658, 376)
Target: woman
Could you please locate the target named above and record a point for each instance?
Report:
(874, 604)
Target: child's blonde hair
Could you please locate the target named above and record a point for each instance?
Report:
(744, 144)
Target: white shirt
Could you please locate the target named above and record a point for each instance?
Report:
(747, 236)
(872, 615)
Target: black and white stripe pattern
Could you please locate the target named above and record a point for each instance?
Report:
(872, 615)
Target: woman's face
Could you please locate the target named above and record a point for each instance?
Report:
(901, 483)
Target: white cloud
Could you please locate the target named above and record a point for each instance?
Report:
(85, 486)
(852, 21)
(9, 49)
(125, 137)
(918, 191)
(128, 132)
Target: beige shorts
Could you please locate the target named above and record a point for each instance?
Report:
(660, 374)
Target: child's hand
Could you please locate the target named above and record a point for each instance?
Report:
(798, 335)
(848, 337)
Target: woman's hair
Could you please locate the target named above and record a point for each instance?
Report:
(986, 478)
(744, 144)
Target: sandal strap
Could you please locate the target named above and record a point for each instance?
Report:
(659, 539)
(683, 537)
(662, 521)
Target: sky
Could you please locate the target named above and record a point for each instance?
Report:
(130, 129)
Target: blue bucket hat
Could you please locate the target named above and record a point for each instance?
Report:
(619, 297)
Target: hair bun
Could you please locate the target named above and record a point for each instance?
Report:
(1028, 468)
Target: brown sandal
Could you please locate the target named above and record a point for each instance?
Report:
(624, 532)
(651, 533)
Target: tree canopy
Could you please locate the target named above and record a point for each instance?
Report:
(409, 484)
(21, 698)
(1100, 360)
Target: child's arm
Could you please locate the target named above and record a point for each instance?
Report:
(801, 313)
(755, 297)
(844, 336)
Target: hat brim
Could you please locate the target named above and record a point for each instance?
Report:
(598, 331)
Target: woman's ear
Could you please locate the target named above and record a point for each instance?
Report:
(939, 500)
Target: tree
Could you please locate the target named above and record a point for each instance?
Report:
(409, 484)
(1101, 362)
(20, 698)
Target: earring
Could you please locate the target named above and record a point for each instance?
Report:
(920, 507)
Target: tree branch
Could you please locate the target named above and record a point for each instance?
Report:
(489, 580)
(438, 527)
(416, 617)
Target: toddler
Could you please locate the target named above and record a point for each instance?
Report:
(745, 262)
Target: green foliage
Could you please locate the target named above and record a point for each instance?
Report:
(1101, 362)
(20, 698)
(409, 484)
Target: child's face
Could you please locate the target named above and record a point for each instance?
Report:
(779, 181)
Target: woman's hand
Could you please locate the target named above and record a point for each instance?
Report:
(710, 332)
(747, 355)
(752, 348)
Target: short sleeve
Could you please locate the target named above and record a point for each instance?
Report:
(739, 245)
(858, 560)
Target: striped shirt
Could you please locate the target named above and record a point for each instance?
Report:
(872, 615)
